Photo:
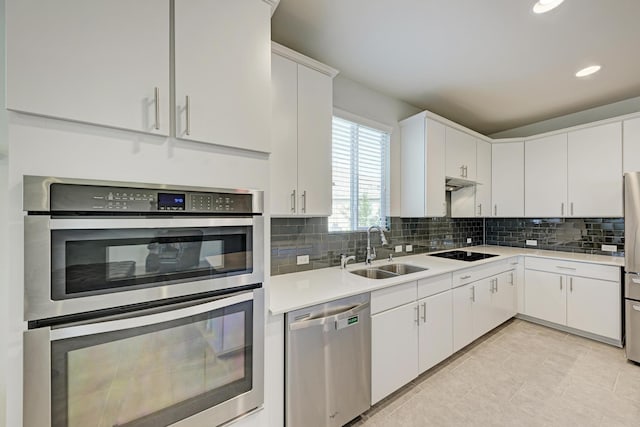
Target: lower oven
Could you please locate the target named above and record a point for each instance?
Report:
(190, 363)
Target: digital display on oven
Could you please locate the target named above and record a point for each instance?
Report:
(171, 201)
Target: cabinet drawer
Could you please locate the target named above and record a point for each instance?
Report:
(433, 285)
(394, 296)
(573, 268)
(476, 273)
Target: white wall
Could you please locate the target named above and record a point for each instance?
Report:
(4, 242)
(355, 98)
(603, 112)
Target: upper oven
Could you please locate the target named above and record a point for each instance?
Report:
(94, 245)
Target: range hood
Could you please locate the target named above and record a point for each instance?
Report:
(454, 184)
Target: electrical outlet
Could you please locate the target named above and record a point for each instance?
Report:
(409, 248)
(302, 259)
(398, 248)
(532, 243)
(609, 248)
(468, 239)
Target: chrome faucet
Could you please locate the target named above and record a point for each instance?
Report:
(344, 260)
(371, 251)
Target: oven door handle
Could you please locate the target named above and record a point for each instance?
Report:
(120, 223)
(151, 319)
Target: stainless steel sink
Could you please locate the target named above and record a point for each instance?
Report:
(401, 268)
(374, 273)
(387, 271)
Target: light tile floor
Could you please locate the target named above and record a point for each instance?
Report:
(520, 374)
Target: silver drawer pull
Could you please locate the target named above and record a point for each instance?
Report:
(465, 277)
(566, 268)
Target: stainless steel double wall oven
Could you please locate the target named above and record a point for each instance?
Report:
(144, 303)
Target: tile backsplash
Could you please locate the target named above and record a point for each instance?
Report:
(291, 237)
(585, 235)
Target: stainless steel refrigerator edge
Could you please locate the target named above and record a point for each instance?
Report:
(328, 368)
(632, 264)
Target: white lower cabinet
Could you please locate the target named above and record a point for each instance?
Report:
(394, 350)
(582, 296)
(480, 306)
(409, 335)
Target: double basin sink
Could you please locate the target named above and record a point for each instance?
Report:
(387, 271)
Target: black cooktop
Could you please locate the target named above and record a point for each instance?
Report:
(463, 255)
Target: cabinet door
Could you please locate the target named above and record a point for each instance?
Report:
(631, 145)
(503, 298)
(545, 296)
(483, 313)
(90, 61)
(595, 171)
(394, 350)
(315, 110)
(436, 329)
(435, 160)
(462, 316)
(507, 180)
(283, 162)
(460, 154)
(483, 189)
(545, 181)
(222, 64)
(594, 306)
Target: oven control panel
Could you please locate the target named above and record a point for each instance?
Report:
(85, 198)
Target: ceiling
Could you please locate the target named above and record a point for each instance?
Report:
(489, 65)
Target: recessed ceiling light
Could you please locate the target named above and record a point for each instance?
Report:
(588, 71)
(543, 6)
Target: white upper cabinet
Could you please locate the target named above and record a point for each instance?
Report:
(94, 61)
(545, 179)
(300, 162)
(460, 155)
(507, 180)
(222, 72)
(109, 63)
(423, 171)
(595, 171)
(483, 188)
(631, 145)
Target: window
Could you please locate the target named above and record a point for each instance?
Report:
(360, 176)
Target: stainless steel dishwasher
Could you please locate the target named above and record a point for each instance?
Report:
(328, 368)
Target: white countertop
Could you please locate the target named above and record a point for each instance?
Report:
(290, 292)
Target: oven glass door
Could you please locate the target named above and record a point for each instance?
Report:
(93, 257)
(145, 372)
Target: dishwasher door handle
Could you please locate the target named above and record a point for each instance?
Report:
(319, 321)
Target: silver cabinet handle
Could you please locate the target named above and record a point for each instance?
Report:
(156, 94)
(473, 293)
(462, 171)
(562, 209)
(511, 281)
(497, 290)
(417, 319)
(468, 276)
(479, 209)
(570, 284)
(293, 201)
(560, 283)
(571, 208)
(424, 312)
(565, 268)
(304, 201)
(187, 107)
(491, 287)
(495, 210)
(444, 208)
